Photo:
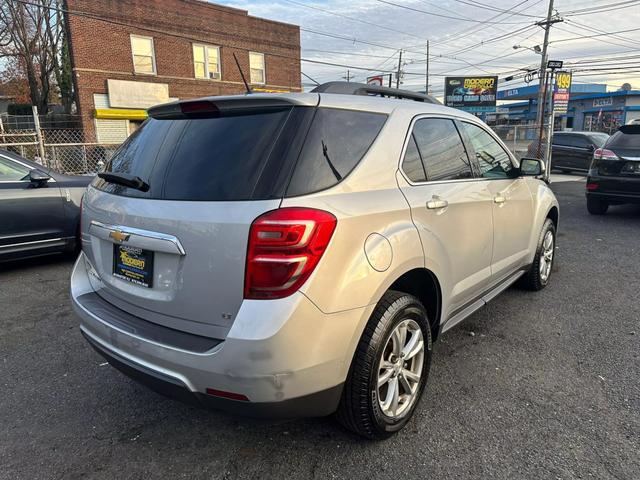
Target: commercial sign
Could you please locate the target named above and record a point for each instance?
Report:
(129, 94)
(561, 92)
(379, 80)
(473, 94)
(553, 64)
(602, 102)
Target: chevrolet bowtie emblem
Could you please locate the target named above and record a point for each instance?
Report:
(119, 236)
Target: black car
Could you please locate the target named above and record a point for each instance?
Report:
(574, 150)
(39, 208)
(614, 176)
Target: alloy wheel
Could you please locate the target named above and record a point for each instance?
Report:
(400, 369)
(546, 256)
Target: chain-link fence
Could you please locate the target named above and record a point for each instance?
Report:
(522, 139)
(55, 141)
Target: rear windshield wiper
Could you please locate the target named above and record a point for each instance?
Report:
(131, 181)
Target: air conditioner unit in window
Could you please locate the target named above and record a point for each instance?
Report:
(214, 75)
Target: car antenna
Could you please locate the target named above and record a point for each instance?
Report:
(244, 80)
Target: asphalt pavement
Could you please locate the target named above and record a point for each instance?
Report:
(534, 386)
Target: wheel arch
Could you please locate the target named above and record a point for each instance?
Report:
(423, 284)
(554, 215)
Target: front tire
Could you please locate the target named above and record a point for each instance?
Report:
(537, 277)
(389, 370)
(597, 206)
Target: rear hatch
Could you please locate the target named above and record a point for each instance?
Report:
(625, 165)
(167, 231)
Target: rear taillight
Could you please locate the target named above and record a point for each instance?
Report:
(285, 245)
(592, 186)
(604, 154)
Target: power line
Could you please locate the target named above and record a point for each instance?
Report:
(329, 12)
(477, 28)
(602, 8)
(485, 6)
(597, 30)
(462, 19)
(582, 37)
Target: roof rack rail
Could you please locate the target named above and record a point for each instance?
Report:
(350, 88)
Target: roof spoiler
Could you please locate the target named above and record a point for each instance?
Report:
(350, 88)
(212, 107)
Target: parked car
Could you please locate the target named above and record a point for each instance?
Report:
(293, 255)
(573, 151)
(39, 208)
(614, 176)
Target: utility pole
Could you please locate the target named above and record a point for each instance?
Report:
(348, 77)
(426, 82)
(399, 70)
(540, 117)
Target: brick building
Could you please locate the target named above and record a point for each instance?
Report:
(128, 55)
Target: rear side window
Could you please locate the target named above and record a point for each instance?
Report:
(412, 164)
(441, 148)
(335, 144)
(599, 139)
(198, 159)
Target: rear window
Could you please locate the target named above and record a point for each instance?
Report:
(336, 142)
(198, 159)
(599, 139)
(625, 140)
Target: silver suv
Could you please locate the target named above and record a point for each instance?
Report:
(296, 255)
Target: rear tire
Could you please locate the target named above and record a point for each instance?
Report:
(537, 277)
(389, 370)
(597, 206)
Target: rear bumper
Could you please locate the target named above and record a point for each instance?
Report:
(285, 356)
(313, 405)
(617, 189)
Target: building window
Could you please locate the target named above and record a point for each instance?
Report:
(206, 61)
(256, 66)
(144, 59)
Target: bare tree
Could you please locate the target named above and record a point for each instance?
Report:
(34, 34)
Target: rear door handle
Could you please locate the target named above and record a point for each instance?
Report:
(437, 203)
(499, 199)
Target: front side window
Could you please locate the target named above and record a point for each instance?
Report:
(206, 62)
(493, 160)
(256, 66)
(143, 54)
(12, 172)
(441, 149)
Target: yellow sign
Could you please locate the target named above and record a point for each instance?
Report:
(563, 80)
(131, 261)
(121, 114)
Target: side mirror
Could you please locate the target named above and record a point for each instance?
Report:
(38, 178)
(531, 167)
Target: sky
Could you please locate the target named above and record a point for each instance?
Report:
(466, 37)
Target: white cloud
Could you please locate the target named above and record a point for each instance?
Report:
(446, 37)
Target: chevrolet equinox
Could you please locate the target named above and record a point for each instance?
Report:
(291, 255)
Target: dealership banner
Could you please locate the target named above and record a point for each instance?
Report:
(561, 92)
(473, 94)
(379, 80)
